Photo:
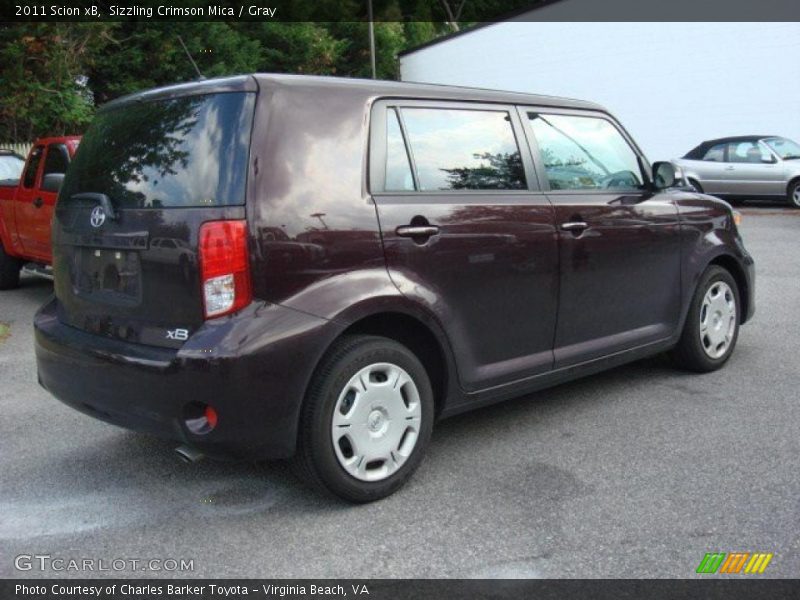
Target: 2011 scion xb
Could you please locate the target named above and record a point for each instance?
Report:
(283, 266)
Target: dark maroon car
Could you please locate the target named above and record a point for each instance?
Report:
(278, 266)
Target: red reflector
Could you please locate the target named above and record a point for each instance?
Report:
(211, 417)
(224, 267)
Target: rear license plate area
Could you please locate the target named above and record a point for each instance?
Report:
(107, 275)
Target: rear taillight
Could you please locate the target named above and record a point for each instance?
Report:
(224, 267)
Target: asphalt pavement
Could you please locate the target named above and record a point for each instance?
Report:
(636, 472)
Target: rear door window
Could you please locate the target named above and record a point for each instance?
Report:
(190, 151)
(584, 153)
(455, 149)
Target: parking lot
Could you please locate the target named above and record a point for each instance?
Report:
(636, 472)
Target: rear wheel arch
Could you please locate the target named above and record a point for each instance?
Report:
(418, 337)
(695, 184)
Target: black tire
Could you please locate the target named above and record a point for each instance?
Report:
(316, 461)
(696, 186)
(793, 194)
(9, 270)
(690, 352)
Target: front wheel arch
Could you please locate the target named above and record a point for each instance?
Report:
(731, 265)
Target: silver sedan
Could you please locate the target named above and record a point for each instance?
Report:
(738, 168)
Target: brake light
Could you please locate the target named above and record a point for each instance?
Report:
(224, 267)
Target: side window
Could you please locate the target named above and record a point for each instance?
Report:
(33, 166)
(585, 153)
(398, 168)
(456, 149)
(747, 152)
(57, 159)
(715, 153)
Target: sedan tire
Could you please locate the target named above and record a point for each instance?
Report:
(366, 420)
(712, 325)
(794, 194)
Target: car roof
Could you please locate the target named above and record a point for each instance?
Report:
(700, 150)
(370, 87)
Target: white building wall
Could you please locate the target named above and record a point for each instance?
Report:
(672, 85)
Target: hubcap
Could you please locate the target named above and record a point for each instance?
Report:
(717, 319)
(376, 422)
(796, 195)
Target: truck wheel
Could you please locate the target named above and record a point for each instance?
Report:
(366, 420)
(794, 194)
(712, 325)
(9, 270)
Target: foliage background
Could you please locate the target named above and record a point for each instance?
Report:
(53, 75)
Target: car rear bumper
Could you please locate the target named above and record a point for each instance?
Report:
(246, 367)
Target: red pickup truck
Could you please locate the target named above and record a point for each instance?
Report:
(26, 208)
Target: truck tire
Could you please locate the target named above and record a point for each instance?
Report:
(9, 270)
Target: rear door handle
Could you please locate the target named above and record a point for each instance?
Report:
(574, 226)
(417, 231)
(38, 203)
(730, 168)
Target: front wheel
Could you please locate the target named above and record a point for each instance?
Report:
(794, 194)
(9, 270)
(366, 420)
(712, 325)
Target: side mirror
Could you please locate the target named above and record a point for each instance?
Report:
(769, 161)
(664, 175)
(52, 182)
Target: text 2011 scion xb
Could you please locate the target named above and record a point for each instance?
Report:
(281, 266)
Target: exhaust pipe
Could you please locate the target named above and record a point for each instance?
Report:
(189, 455)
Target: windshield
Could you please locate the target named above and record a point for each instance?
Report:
(181, 152)
(786, 149)
(10, 167)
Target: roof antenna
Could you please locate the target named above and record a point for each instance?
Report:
(191, 60)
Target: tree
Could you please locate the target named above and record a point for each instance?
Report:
(44, 91)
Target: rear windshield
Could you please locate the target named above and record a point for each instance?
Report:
(182, 152)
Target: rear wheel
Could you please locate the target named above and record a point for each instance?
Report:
(366, 420)
(712, 325)
(794, 194)
(9, 270)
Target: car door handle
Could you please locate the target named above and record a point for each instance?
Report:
(574, 226)
(730, 168)
(417, 231)
(38, 203)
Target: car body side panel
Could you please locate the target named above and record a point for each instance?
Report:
(311, 219)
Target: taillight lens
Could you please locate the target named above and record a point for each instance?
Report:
(224, 267)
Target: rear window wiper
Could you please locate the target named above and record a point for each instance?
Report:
(101, 199)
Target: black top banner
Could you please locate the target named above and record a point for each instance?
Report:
(472, 11)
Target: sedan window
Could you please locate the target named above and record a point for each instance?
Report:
(715, 153)
(747, 152)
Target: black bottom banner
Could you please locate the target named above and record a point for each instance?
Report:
(378, 589)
